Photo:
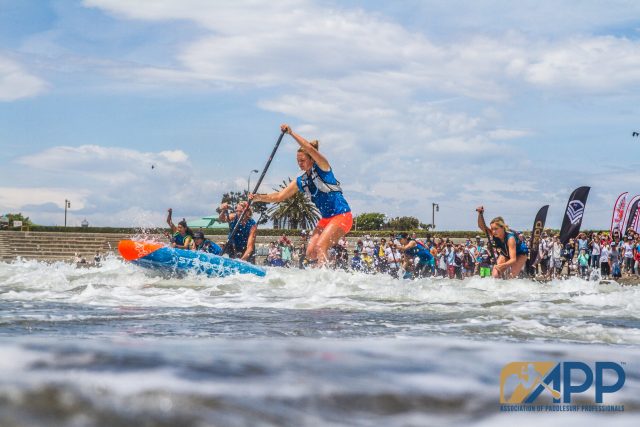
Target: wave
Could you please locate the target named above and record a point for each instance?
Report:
(571, 310)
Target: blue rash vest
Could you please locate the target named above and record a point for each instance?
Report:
(241, 238)
(420, 251)
(324, 190)
(503, 249)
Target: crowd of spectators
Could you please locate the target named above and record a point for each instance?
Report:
(373, 255)
(280, 253)
(597, 255)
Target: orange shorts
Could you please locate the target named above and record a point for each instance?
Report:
(344, 221)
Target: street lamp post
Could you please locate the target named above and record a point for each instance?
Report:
(434, 208)
(67, 205)
(249, 181)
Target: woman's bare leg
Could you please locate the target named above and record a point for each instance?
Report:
(327, 238)
(312, 246)
(495, 273)
(521, 260)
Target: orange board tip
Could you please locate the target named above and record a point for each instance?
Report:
(132, 250)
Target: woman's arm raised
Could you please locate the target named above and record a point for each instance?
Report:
(277, 197)
(320, 160)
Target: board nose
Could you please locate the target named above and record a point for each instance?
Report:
(132, 250)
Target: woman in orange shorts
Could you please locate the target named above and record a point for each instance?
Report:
(319, 183)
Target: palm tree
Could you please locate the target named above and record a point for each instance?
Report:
(295, 212)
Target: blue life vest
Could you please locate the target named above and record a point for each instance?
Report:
(503, 249)
(420, 251)
(324, 190)
(241, 238)
(210, 247)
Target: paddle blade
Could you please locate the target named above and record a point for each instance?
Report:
(132, 250)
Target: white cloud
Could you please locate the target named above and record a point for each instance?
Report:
(484, 184)
(108, 164)
(16, 82)
(104, 183)
(594, 64)
(175, 156)
(401, 112)
(14, 198)
(301, 44)
(500, 134)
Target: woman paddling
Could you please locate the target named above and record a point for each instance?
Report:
(512, 252)
(317, 181)
(243, 242)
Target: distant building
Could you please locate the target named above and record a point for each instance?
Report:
(207, 222)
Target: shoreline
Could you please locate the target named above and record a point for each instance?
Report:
(63, 246)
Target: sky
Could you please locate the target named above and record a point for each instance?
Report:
(511, 105)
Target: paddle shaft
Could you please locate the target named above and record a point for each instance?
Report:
(489, 239)
(255, 190)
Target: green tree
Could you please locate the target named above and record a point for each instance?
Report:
(404, 223)
(19, 217)
(259, 208)
(370, 221)
(294, 213)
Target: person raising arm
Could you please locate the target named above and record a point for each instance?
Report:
(512, 252)
(182, 234)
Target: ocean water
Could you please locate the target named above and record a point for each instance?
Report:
(117, 346)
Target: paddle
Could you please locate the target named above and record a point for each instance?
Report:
(489, 238)
(255, 190)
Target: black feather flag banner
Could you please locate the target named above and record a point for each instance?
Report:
(573, 214)
(536, 232)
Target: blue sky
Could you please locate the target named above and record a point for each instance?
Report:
(510, 105)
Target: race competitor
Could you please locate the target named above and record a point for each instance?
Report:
(205, 245)
(412, 249)
(512, 252)
(319, 183)
(243, 243)
(182, 236)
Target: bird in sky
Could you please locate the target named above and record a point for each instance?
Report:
(635, 134)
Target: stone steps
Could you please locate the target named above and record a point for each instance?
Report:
(55, 246)
(4, 249)
(65, 246)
